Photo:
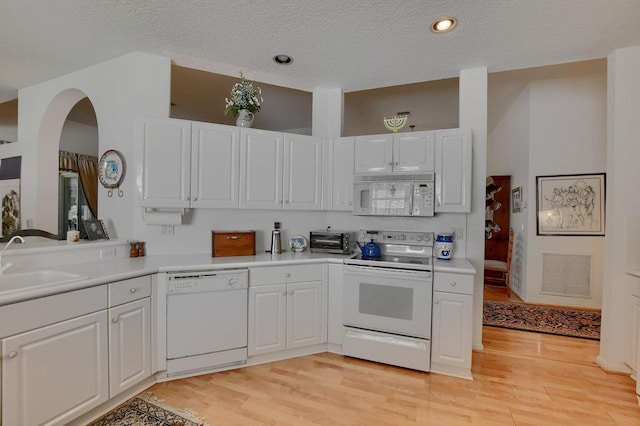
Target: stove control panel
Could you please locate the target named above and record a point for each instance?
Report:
(397, 237)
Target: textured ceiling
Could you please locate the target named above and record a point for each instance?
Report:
(355, 45)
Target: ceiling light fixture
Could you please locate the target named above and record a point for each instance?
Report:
(283, 59)
(444, 25)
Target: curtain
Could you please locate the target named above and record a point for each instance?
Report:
(87, 168)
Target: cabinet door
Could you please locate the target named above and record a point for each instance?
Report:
(163, 162)
(261, 155)
(267, 319)
(56, 373)
(129, 345)
(374, 154)
(343, 169)
(335, 327)
(304, 314)
(414, 152)
(302, 174)
(453, 171)
(632, 358)
(451, 331)
(215, 165)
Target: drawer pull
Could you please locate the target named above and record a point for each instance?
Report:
(290, 292)
(233, 237)
(13, 354)
(115, 320)
(284, 292)
(435, 302)
(453, 283)
(133, 290)
(288, 275)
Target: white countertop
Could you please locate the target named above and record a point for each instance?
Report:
(110, 270)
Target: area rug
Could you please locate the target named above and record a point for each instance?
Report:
(572, 322)
(145, 410)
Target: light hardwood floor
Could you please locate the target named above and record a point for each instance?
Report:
(521, 378)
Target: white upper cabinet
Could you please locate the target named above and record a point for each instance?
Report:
(374, 154)
(215, 165)
(413, 152)
(343, 170)
(163, 162)
(261, 154)
(453, 170)
(401, 152)
(184, 164)
(280, 171)
(302, 174)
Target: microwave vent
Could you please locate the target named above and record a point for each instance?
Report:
(429, 177)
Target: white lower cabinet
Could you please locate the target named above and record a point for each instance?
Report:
(287, 315)
(53, 374)
(452, 324)
(129, 345)
(335, 328)
(129, 333)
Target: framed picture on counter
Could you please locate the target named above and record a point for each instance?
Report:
(570, 204)
(95, 230)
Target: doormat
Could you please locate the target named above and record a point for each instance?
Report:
(573, 322)
(146, 409)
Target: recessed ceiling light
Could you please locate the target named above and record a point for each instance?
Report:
(282, 59)
(444, 25)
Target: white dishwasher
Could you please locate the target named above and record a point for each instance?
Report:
(206, 320)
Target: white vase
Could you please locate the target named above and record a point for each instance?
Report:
(245, 118)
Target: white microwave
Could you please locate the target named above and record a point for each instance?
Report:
(394, 195)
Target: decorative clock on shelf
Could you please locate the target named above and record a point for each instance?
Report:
(111, 171)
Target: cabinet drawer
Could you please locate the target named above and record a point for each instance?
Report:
(284, 274)
(453, 283)
(128, 290)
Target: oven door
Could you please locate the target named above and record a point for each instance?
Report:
(389, 300)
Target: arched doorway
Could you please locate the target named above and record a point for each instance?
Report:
(77, 176)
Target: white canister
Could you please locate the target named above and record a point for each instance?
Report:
(444, 246)
(73, 236)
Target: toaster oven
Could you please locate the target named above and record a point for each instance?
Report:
(335, 242)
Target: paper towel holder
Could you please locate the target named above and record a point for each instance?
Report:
(162, 216)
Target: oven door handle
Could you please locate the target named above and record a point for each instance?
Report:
(377, 272)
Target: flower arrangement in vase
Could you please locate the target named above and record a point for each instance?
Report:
(246, 100)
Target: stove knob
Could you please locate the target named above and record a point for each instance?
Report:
(418, 237)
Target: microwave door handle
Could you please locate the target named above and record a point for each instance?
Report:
(326, 241)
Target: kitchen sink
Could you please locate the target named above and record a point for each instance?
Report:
(36, 278)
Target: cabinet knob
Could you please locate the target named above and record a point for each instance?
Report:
(195, 198)
(288, 275)
(390, 163)
(133, 290)
(188, 198)
(350, 203)
(453, 283)
(13, 354)
(435, 302)
(115, 320)
(284, 292)
(290, 292)
(286, 201)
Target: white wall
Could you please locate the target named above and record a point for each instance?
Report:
(133, 85)
(79, 138)
(567, 136)
(508, 154)
(623, 198)
(548, 121)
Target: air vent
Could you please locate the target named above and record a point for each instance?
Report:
(566, 274)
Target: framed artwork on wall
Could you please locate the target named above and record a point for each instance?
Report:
(516, 199)
(570, 204)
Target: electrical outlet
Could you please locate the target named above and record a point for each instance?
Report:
(166, 230)
(458, 233)
(106, 253)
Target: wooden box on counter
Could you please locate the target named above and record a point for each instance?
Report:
(233, 243)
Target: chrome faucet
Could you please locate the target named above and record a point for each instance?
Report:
(9, 265)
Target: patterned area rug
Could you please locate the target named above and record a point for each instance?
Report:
(572, 322)
(145, 410)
